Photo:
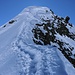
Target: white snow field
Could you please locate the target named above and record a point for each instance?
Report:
(19, 55)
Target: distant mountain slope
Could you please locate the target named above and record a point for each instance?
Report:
(37, 42)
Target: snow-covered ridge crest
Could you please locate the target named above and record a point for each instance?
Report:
(30, 44)
(36, 8)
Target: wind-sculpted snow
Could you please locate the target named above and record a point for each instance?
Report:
(39, 60)
(22, 54)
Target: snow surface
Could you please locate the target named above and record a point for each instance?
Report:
(20, 56)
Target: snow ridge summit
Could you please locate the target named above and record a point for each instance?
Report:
(37, 42)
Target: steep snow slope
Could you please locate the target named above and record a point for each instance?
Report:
(19, 55)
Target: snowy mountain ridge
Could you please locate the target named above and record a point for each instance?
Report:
(37, 42)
